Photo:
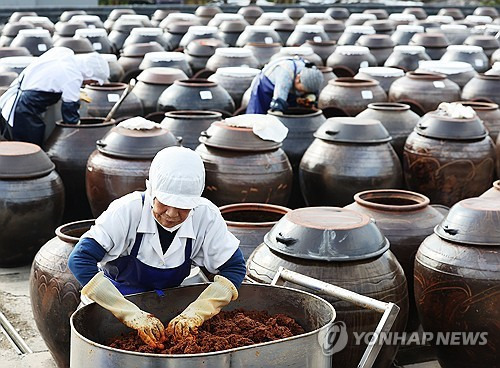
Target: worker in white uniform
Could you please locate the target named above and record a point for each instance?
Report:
(148, 240)
(57, 74)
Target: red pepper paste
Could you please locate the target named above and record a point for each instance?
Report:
(226, 330)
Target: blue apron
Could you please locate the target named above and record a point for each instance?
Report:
(28, 123)
(131, 276)
(262, 95)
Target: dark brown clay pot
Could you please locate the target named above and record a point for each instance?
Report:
(489, 43)
(489, 114)
(151, 84)
(483, 88)
(353, 32)
(78, 45)
(231, 57)
(328, 75)
(301, 124)
(196, 94)
(424, 91)
(351, 95)
(449, 159)
(346, 60)
(457, 284)
(295, 13)
(258, 34)
(199, 33)
(307, 32)
(380, 46)
(10, 31)
(317, 252)
(397, 118)
(250, 222)
(348, 155)
(321, 48)
(230, 31)
(146, 35)
(235, 80)
(333, 28)
(493, 192)
(406, 219)
(263, 51)
(241, 167)
(456, 71)
(473, 55)
(456, 13)
(251, 13)
(98, 38)
(168, 59)
(37, 41)
(120, 165)
(284, 29)
(403, 33)
(435, 43)
(69, 147)
(305, 53)
(199, 51)
(32, 201)
(8, 51)
(54, 291)
(66, 29)
(418, 12)
(406, 57)
(384, 75)
(189, 124)
(104, 98)
(116, 72)
(132, 55)
(338, 13)
(382, 26)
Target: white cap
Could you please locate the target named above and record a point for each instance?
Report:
(440, 19)
(309, 28)
(139, 123)
(352, 50)
(468, 49)
(479, 19)
(183, 17)
(275, 16)
(402, 17)
(259, 29)
(139, 17)
(304, 51)
(236, 52)
(445, 67)
(382, 71)
(35, 19)
(177, 178)
(318, 16)
(37, 32)
(242, 72)
(227, 16)
(410, 28)
(156, 56)
(360, 29)
(91, 32)
(453, 27)
(146, 31)
(409, 49)
(365, 16)
(202, 30)
(85, 17)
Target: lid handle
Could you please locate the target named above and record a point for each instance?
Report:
(447, 230)
(287, 241)
(179, 140)
(100, 143)
(205, 134)
(332, 132)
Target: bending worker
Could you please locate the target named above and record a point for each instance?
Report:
(148, 241)
(284, 83)
(57, 74)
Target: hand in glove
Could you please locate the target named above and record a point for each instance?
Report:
(104, 293)
(209, 303)
(307, 101)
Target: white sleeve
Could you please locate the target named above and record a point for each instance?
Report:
(71, 90)
(218, 244)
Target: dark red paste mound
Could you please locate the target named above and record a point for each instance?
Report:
(227, 330)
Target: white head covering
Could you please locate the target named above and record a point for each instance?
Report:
(177, 178)
(93, 66)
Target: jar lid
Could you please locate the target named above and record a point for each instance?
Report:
(468, 49)
(332, 25)
(440, 126)
(259, 29)
(327, 234)
(365, 16)
(376, 41)
(158, 56)
(429, 39)
(444, 67)
(203, 47)
(283, 25)
(474, 221)
(353, 130)
(227, 16)
(202, 30)
(88, 17)
(92, 32)
(141, 49)
(11, 29)
(134, 143)
(221, 135)
(352, 50)
(37, 32)
(400, 17)
(410, 50)
(293, 50)
(237, 71)
(207, 11)
(140, 17)
(35, 19)
(184, 17)
(440, 19)
(382, 71)
(317, 16)
(309, 28)
(410, 28)
(20, 160)
(360, 29)
(146, 31)
(235, 26)
(453, 27)
(486, 42)
(484, 19)
(236, 52)
(275, 16)
(161, 75)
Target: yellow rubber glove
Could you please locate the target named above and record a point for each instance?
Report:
(104, 293)
(216, 296)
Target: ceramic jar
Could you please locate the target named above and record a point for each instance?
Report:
(151, 84)
(321, 48)
(250, 222)
(456, 283)
(196, 94)
(348, 155)
(380, 46)
(230, 31)
(384, 75)
(116, 72)
(235, 80)
(263, 51)
(406, 57)
(489, 114)
(98, 38)
(353, 33)
(69, 146)
(404, 32)
(327, 76)
(176, 30)
(120, 164)
(54, 291)
(346, 60)
(301, 124)
(132, 55)
(435, 43)
(206, 13)
(10, 31)
(333, 28)
(37, 41)
(318, 242)
(424, 91)
(104, 98)
(489, 43)
(284, 29)
(305, 53)
(473, 55)
(397, 118)
(483, 88)
(197, 33)
(305, 32)
(146, 35)
(120, 31)
(199, 51)
(406, 219)
(189, 124)
(350, 95)
(493, 192)
(449, 159)
(231, 57)
(166, 59)
(78, 45)
(32, 201)
(258, 34)
(242, 168)
(457, 71)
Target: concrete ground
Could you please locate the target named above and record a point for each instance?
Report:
(15, 305)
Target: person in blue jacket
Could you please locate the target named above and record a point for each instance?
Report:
(149, 240)
(284, 83)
